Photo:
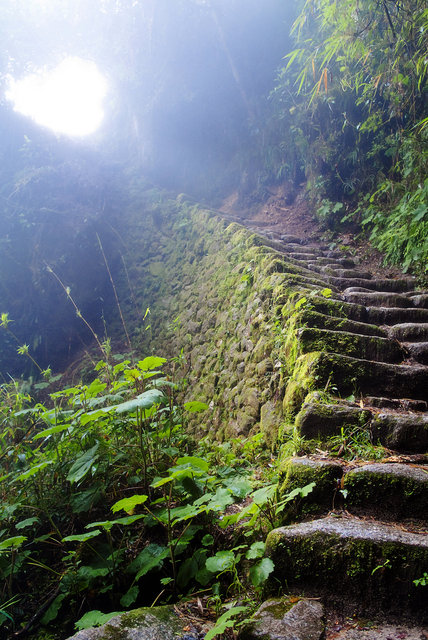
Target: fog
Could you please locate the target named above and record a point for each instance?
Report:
(182, 88)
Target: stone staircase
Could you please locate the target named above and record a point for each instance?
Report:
(360, 345)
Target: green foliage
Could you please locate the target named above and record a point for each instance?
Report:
(355, 443)
(118, 445)
(355, 89)
(224, 622)
(421, 582)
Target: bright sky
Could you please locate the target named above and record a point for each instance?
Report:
(67, 99)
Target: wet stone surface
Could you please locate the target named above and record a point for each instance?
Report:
(147, 623)
(275, 620)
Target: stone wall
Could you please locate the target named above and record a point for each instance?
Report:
(213, 290)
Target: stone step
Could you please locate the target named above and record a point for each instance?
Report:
(401, 432)
(312, 318)
(303, 255)
(313, 250)
(350, 374)
(378, 284)
(339, 308)
(389, 490)
(355, 345)
(336, 272)
(367, 563)
(420, 301)
(346, 263)
(377, 298)
(300, 471)
(400, 404)
(409, 332)
(320, 421)
(418, 351)
(394, 315)
(289, 239)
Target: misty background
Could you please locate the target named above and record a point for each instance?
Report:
(188, 86)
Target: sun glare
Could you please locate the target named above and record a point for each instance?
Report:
(67, 99)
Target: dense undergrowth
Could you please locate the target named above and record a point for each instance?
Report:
(108, 502)
(349, 117)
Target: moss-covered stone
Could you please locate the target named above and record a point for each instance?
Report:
(299, 472)
(350, 344)
(283, 619)
(351, 561)
(147, 623)
(396, 490)
(321, 420)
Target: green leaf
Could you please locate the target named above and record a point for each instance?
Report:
(151, 362)
(84, 500)
(200, 463)
(207, 540)
(239, 486)
(220, 500)
(82, 465)
(222, 561)
(108, 524)
(130, 596)
(48, 432)
(224, 622)
(195, 406)
(53, 610)
(151, 557)
(82, 537)
(33, 470)
(95, 618)
(261, 571)
(144, 401)
(128, 504)
(256, 550)
(14, 542)
(261, 496)
(88, 574)
(28, 522)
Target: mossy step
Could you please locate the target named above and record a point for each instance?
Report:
(348, 559)
(312, 318)
(320, 421)
(377, 284)
(356, 345)
(394, 315)
(401, 404)
(377, 298)
(408, 432)
(300, 471)
(410, 332)
(401, 432)
(289, 239)
(304, 256)
(306, 249)
(420, 301)
(146, 623)
(418, 351)
(346, 263)
(389, 489)
(349, 374)
(338, 272)
(339, 308)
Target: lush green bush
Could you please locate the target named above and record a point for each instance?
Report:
(101, 485)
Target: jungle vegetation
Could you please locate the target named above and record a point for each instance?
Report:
(210, 98)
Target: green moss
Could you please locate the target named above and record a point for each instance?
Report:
(303, 380)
